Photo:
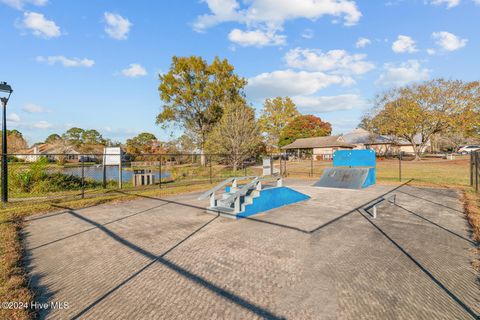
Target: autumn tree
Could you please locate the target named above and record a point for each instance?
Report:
(236, 136)
(184, 144)
(419, 111)
(276, 114)
(15, 141)
(304, 126)
(194, 92)
(144, 142)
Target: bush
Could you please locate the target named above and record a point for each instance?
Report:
(35, 178)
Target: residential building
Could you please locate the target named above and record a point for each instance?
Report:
(321, 148)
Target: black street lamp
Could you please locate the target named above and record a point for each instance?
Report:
(4, 87)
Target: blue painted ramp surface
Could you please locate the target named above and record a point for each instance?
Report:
(272, 198)
(354, 158)
(349, 167)
(345, 178)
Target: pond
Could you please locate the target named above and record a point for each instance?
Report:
(96, 173)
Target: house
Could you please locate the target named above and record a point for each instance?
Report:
(55, 152)
(322, 148)
(382, 144)
(363, 139)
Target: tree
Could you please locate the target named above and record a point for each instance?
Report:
(194, 92)
(92, 136)
(183, 144)
(53, 138)
(304, 126)
(144, 142)
(15, 141)
(74, 136)
(237, 135)
(186, 144)
(418, 112)
(276, 115)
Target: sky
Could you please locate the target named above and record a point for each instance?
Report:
(95, 64)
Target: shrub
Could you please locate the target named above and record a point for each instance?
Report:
(35, 178)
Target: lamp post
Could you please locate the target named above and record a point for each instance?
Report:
(4, 87)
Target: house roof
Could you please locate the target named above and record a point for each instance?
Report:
(318, 142)
(46, 148)
(362, 136)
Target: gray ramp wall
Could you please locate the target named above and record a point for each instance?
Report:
(347, 178)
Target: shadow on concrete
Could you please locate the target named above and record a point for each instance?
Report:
(438, 192)
(462, 304)
(42, 294)
(93, 228)
(435, 224)
(275, 223)
(258, 310)
(436, 203)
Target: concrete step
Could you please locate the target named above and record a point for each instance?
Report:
(222, 211)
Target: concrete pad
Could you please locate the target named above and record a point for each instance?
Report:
(166, 258)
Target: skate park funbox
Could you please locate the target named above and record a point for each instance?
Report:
(352, 169)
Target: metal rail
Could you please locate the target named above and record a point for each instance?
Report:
(378, 202)
(222, 184)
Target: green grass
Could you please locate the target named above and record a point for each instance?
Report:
(429, 171)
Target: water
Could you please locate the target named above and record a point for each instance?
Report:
(96, 173)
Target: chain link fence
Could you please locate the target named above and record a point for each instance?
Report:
(37, 177)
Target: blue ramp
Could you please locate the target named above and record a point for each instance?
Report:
(271, 198)
(352, 169)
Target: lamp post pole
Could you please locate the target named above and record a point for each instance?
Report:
(4, 152)
(4, 87)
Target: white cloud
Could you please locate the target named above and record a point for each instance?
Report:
(39, 25)
(19, 4)
(320, 104)
(256, 38)
(274, 13)
(335, 61)
(269, 16)
(308, 33)
(404, 44)
(117, 27)
(13, 117)
(291, 83)
(431, 51)
(403, 73)
(449, 3)
(448, 41)
(362, 42)
(32, 108)
(134, 70)
(477, 2)
(66, 62)
(42, 125)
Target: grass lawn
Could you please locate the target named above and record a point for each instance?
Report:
(439, 172)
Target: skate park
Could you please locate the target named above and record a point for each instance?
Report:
(323, 255)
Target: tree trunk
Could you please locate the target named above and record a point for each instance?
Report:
(416, 151)
(235, 165)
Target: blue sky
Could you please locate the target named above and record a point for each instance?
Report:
(95, 64)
